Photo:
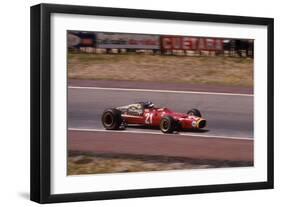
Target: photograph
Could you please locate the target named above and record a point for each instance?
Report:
(157, 102)
(129, 103)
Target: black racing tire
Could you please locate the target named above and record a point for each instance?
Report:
(194, 112)
(111, 119)
(167, 124)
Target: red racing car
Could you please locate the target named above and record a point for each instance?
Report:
(145, 114)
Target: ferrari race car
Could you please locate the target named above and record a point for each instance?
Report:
(146, 114)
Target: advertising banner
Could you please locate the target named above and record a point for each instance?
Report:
(81, 39)
(127, 41)
(191, 43)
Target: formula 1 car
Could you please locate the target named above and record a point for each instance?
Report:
(146, 114)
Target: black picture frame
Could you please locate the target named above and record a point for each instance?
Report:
(41, 99)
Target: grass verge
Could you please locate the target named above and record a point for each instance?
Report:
(217, 70)
(95, 164)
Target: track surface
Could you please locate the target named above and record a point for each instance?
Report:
(227, 115)
(194, 148)
(163, 86)
(229, 135)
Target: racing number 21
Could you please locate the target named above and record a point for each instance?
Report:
(148, 118)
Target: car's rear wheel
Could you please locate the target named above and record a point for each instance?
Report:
(111, 119)
(194, 112)
(167, 124)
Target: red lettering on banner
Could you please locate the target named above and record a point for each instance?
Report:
(194, 42)
(86, 42)
(190, 43)
(218, 44)
(176, 42)
(166, 43)
(209, 44)
(186, 43)
(201, 44)
(132, 42)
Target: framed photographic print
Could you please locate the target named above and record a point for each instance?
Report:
(133, 103)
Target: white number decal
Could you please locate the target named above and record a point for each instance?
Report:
(148, 118)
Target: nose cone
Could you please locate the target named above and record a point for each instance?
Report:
(201, 123)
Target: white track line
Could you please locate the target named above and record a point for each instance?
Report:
(159, 91)
(160, 133)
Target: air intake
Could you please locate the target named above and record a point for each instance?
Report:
(202, 123)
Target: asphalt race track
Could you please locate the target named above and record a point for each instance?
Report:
(167, 145)
(227, 114)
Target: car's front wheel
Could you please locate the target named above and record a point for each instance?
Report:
(167, 124)
(111, 119)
